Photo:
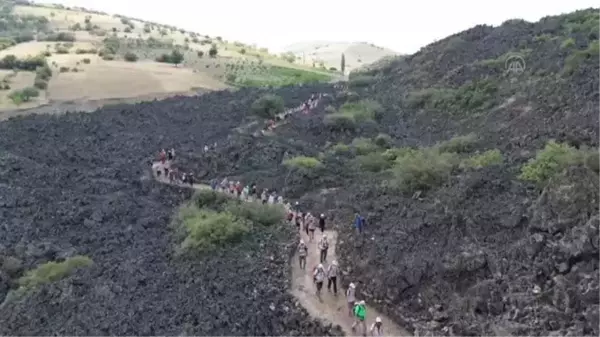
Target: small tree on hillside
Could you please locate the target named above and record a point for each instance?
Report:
(268, 106)
(176, 57)
(343, 63)
(213, 51)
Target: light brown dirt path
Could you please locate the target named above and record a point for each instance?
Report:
(330, 309)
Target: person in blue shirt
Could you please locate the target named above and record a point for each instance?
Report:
(359, 222)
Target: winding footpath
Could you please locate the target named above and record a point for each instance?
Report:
(330, 309)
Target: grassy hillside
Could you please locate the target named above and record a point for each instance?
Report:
(89, 53)
(329, 53)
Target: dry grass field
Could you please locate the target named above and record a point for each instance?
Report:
(82, 71)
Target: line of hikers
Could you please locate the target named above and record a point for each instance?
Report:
(305, 107)
(163, 168)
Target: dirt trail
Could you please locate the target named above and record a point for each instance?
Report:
(331, 309)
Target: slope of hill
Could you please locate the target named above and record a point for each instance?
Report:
(329, 53)
(477, 222)
(89, 53)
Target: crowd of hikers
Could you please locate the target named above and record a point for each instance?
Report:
(163, 169)
(308, 223)
(305, 107)
(304, 221)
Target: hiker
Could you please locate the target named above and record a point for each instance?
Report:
(360, 314)
(377, 327)
(332, 273)
(184, 178)
(162, 156)
(238, 189)
(172, 154)
(359, 222)
(288, 206)
(263, 196)
(280, 199)
(231, 187)
(172, 176)
(322, 222)
(311, 227)
(253, 191)
(224, 184)
(351, 298)
(245, 192)
(191, 178)
(297, 206)
(299, 220)
(213, 184)
(290, 215)
(271, 199)
(319, 277)
(304, 220)
(169, 155)
(302, 252)
(205, 148)
(323, 246)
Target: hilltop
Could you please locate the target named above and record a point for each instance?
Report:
(329, 53)
(475, 162)
(86, 54)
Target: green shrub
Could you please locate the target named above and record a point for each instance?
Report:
(62, 36)
(130, 57)
(207, 229)
(200, 53)
(303, 163)
(62, 50)
(361, 80)
(473, 96)
(578, 57)
(43, 73)
(268, 106)
(364, 146)
(383, 140)
(552, 160)
(64, 69)
(86, 61)
(340, 121)
(459, 144)
(487, 158)
(423, 169)
(210, 199)
(40, 84)
(352, 113)
(340, 149)
(23, 95)
(53, 271)
(213, 51)
(175, 57)
(257, 213)
(373, 162)
(108, 57)
(397, 152)
(330, 109)
(568, 43)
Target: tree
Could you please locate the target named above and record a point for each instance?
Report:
(268, 106)
(343, 63)
(213, 51)
(176, 57)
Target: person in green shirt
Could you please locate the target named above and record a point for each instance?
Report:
(360, 313)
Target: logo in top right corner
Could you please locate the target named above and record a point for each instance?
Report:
(514, 64)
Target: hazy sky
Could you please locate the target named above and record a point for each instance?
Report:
(404, 26)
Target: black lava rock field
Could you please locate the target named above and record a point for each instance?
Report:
(78, 184)
(477, 250)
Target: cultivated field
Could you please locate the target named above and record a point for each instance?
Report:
(107, 57)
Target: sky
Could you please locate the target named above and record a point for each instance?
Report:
(403, 26)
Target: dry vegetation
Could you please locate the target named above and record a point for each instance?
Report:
(96, 56)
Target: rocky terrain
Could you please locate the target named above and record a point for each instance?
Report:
(478, 250)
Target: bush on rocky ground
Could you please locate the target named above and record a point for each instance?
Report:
(52, 271)
(268, 106)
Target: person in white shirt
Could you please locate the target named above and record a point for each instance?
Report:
(351, 298)
(377, 327)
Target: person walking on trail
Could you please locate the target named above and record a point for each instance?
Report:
(280, 199)
(298, 221)
(245, 193)
(377, 327)
(323, 247)
(332, 273)
(322, 222)
(191, 178)
(224, 184)
(319, 277)
(263, 196)
(311, 227)
(162, 156)
(271, 199)
(302, 252)
(359, 223)
(351, 298)
(253, 192)
(360, 315)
